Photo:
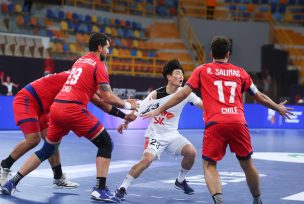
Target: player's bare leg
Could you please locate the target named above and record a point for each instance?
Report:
(134, 173)
(252, 179)
(30, 141)
(189, 155)
(213, 181)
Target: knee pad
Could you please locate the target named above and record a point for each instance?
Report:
(105, 144)
(46, 151)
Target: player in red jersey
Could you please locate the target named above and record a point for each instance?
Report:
(69, 112)
(221, 85)
(31, 107)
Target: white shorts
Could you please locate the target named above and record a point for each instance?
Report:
(174, 145)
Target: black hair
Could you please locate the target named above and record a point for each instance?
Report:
(170, 66)
(220, 45)
(97, 39)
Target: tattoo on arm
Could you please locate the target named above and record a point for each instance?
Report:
(105, 87)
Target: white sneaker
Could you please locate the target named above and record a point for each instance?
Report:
(63, 182)
(4, 173)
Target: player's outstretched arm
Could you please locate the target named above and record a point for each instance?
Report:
(280, 108)
(176, 99)
(99, 102)
(109, 97)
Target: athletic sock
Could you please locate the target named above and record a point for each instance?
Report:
(8, 162)
(57, 171)
(182, 175)
(17, 178)
(127, 182)
(257, 199)
(101, 182)
(218, 198)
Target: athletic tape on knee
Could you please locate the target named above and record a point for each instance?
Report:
(105, 145)
(46, 151)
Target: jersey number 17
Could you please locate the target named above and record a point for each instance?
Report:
(219, 84)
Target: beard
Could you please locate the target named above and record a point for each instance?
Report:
(102, 58)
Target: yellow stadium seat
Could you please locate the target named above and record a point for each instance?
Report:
(63, 25)
(108, 30)
(115, 52)
(18, 8)
(72, 48)
(135, 43)
(94, 19)
(95, 29)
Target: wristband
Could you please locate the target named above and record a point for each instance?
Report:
(116, 112)
(127, 106)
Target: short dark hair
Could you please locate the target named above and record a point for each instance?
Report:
(220, 45)
(170, 66)
(97, 39)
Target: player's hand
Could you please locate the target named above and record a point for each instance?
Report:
(283, 110)
(121, 128)
(130, 117)
(134, 103)
(151, 114)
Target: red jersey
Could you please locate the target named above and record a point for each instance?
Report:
(221, 86)
(46, 88)
(86, 73)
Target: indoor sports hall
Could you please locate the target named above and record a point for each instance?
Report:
(39, 37)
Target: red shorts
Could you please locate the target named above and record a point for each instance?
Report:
(28, 115)
(69, 116)
(218, 136)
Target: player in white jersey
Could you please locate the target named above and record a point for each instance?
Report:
(162, 133)
(9, 85)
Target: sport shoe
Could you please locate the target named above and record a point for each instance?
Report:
(8, 187)
(120, 193)
(103, 195)
(63, 182)
(184, 186)
(4, 173)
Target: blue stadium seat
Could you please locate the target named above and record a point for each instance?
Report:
(274, 8)
(106, 21)
(11, 8)
(49, 33)
(27, 20)
(133, 52)
(277, 16)
(61, 15)
(120, 32)
(102, 29)
(151, 54)
(71, 25)
(242, 8)
(117, 22)
(25, 8)
(117, 42)
(66, 47)
(99, 20)
(75, 16)
(88, 19)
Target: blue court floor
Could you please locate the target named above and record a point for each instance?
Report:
(278, 155)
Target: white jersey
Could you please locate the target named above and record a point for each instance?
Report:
(164, 126)
(9, 86)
